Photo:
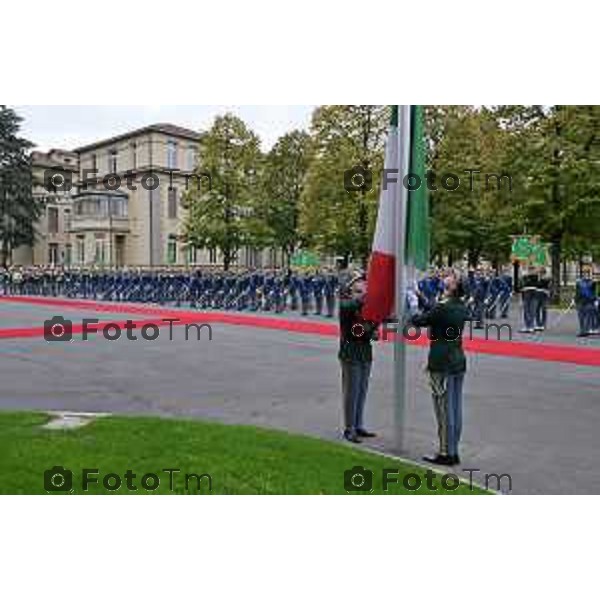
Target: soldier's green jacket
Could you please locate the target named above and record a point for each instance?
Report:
(446, 323)
(356, 334)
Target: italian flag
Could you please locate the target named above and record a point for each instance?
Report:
(402, 231)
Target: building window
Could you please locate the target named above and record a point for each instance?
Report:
(134, 155)
(80, 249)
(272, 258)
(119, 207)
(52, 212)
(172, 250)
(251, 257)
(103, 206)
(53, 254)
(112, 161)
(94, 163)
(192, 158)
(68, 254)
(67, 217)
(171, 155)
(191, 254)
(172, 204)
(212, 256)
(101, 249)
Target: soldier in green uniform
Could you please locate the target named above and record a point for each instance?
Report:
(446, 366)
(356, 357)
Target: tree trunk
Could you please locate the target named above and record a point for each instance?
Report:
(495, 265)
(557, 236)
(473, 257)
(516, 275)
(5, 251)
(556, 252)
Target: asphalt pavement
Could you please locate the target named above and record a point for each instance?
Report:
(534, 420)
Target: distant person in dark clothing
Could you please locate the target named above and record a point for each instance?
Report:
(447, 366)
(586, 297)
(542, 294)
(356, 357)
(529, 286)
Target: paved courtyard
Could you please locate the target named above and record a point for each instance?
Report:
(533, 419)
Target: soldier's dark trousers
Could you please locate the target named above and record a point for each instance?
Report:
(305, 306)
(588, 317)
(529, 309)
(478, 314)
(504, 307)
(318, 305)
(541, 310)
(355, 385)
(447, 403)
(330, 300)
(253, 301)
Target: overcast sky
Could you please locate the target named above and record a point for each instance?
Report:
(68, 127)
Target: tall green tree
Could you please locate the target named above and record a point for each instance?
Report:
(18, 209)
(556, 158)
(284, 178)
(333, 220)
(219, 218)
(476, 218)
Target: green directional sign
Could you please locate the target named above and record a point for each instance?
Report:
(305, 259)
(540, 257)
(521, 248)
(528, 249)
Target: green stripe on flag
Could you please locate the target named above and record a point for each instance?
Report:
(417, 238)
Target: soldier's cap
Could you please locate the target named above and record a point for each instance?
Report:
(346, 288)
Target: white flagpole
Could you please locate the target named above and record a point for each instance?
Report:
(404, 125)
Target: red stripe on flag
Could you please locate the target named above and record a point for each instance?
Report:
(379, 301)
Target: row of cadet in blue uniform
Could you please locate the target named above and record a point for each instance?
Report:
(488, 295)
(587, 302)
(252, 290)
(536, 288)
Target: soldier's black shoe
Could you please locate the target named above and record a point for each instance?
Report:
(363, 433)
(440, 459)
(351, 436)
(455, 459)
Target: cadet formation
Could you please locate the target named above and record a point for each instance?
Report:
(488, 295)
(245, 290)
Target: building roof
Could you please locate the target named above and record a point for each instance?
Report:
(166, 128)
(63, 159)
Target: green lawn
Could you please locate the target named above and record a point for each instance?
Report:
(239, 460)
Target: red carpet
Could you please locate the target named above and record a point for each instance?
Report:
(514, 349)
